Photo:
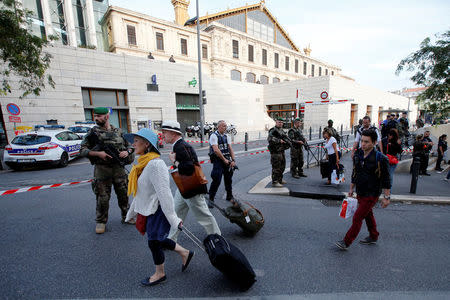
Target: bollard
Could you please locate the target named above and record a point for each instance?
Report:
(259, 135)
(352, 129)
(342, 129)
(310, 133)
(320, 132)
(246, 141)
(414, 174)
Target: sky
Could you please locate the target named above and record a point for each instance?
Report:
(366, 39)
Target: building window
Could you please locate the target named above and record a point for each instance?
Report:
(131, 32)
(36, 18)
(276, 62)
(320, 71)
(312, 70)
(235, 49)
(264, 79)
(276, 80)
(305, 68)
(107, 98)
(332, 73)
(326, 72)
(264, 57)
(159, 41)
(78, 17)
(204, 51)
(235, 75)
(296, 66)
(184, 47)
(250, 77)
(58, 18)
(286, 63)
(250, 53)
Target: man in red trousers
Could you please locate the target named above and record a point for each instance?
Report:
(370, 176)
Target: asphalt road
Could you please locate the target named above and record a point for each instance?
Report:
(49, 248)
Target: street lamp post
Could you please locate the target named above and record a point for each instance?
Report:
(202, 115)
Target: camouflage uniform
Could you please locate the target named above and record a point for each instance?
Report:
(107, 173)
(277, 158)
(295, 134)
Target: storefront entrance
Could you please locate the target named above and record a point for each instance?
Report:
(188, 110)
(287, 112)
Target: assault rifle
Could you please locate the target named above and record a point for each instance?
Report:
(284, 137)
(93, 139)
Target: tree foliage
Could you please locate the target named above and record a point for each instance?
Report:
(431, 64)
(22, 52)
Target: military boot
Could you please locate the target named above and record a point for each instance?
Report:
(100, 228)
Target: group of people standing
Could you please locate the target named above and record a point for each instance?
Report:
(154, 210)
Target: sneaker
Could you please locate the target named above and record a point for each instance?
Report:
(277, 184)
(130, 222)
(341, 245)
(283, 182)
(368, 241)
(295, 176)
(302, 175)
(100, 228)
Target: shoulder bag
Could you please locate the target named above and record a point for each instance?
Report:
(393, 160)
(191, 185)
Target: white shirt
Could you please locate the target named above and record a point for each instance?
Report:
(213, 140)
(153, 190)
(358, 136)
(329, 145)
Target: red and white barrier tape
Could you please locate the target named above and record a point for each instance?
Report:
(41, 187)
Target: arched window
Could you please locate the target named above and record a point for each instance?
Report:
(235, 75)
(276, 80)
(264, 79)
(250, 77)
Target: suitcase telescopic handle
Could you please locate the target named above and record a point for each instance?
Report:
(191, 236)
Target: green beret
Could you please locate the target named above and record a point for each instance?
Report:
(279, 119)
(101, 110)
(297, 119)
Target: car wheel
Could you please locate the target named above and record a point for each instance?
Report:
(64, 160)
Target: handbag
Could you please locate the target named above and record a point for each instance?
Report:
(141, 223)
(393, 160)
(191, 185)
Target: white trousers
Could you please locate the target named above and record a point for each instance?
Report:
(199, 208)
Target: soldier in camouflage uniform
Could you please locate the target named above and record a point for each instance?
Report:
(107, 170)
(298, 142)
(333, 131)
(277, 145)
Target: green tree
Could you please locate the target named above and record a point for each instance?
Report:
(22, 52)
(431, 64)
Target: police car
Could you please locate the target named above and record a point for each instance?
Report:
(47, 144)
(82, 127)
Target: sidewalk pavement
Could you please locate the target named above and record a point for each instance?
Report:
(430, 189)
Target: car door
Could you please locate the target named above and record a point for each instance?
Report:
(75, 144)
(64, 141)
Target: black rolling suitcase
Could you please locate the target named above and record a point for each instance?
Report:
(227, 258)
(325, 168)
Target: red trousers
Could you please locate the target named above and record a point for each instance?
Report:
(363, 212)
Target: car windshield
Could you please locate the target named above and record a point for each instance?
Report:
(31, 139)
(79, 129)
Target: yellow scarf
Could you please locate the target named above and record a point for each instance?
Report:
(136, 171)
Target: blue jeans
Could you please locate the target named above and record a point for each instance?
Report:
(391, 174)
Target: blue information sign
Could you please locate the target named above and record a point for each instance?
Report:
(13, 109)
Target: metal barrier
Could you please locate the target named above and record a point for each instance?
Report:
(316, 151)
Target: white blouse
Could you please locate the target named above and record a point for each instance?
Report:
(329, 145)
(153, 190)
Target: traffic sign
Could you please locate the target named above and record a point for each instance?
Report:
(14, 119)
(324, 95)
(13, 109)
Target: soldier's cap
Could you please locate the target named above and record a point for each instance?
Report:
(101, 110)
(298, 120)
(150, 136)
(330, 121)
(279, 119)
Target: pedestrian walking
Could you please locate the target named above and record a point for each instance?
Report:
(442, 147)
(107, 149)
(334, 133)
(333, 153)
(183, 158)
(369, 177)
(366, 126)
(223, 160)
(388, 124)
(419, 150)
(427, 150)
(152, 201)
(278, 143)
(298, 143)
(392, 148)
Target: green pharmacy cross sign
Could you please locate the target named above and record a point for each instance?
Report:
(193, 82)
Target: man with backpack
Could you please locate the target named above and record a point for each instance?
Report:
(366, 126)
(370, 176)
